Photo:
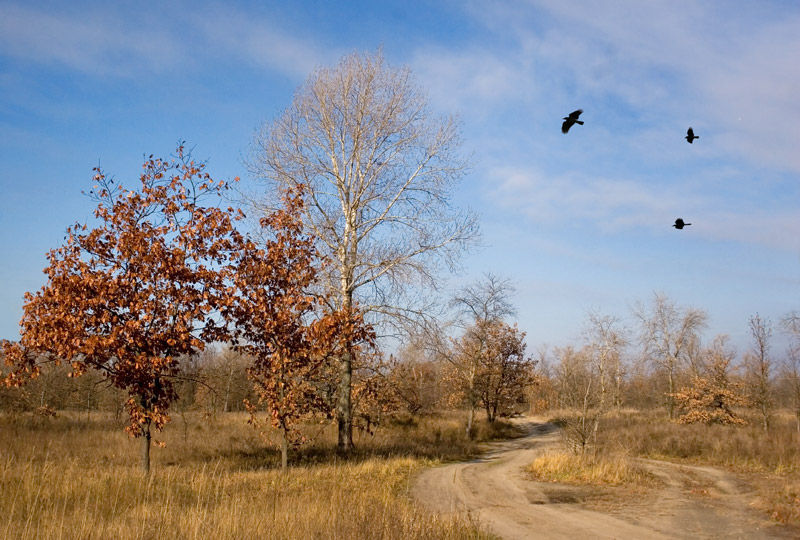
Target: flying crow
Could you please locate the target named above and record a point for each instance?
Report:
(570, 120)
(679, 224)
(690, 136)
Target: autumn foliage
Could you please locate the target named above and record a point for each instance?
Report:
(135, 293)
(281, 325)
(711, 398)
(488, 366)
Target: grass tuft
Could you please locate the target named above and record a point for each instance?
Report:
(600, 470)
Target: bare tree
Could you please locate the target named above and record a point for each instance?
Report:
(485, 300)
(668, 336)
(416, 378)
(606, 340)
(225, 373)
(759, 368)
(380, 172)
(577, 380)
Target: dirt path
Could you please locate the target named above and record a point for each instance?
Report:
(694, 502)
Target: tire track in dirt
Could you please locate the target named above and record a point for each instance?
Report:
(694, 502)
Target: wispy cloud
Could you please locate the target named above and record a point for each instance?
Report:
(475, 80)
(727, 68)
(91, 42)
(613, 205)
(107, 42)
(258, 41)
(610, 204)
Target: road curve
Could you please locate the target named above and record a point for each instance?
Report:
(495, 489)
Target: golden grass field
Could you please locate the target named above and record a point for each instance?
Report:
(69, 478)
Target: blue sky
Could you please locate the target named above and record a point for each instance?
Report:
(579, 222)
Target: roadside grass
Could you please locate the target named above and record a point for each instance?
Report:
(68, 478)
(770, 462)
(594, 469)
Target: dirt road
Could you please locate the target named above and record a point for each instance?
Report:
(693, 503)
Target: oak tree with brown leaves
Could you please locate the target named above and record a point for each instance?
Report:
(711, 398)
(279, 323)
(506, 371)
(134, 294)
(487, 366)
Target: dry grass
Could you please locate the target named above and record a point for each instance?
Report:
(66, 478)
(768, 461)
(595, 469)
(743, 449)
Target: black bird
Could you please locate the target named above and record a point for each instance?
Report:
(570, 120)
(690, 136)
(679, 224)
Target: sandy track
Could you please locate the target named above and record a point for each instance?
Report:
(694, 503)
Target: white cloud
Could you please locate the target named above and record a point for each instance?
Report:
(612, 205)
(609, 204)
(93, 42)
(728, 68)
(474, 81)
(236, 34)
(109, 41)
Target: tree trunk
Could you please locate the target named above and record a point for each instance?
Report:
(470, 420)
(146, 448)
(670, 399)
(225, 405)
(284, 450)
(88, 403)
(344, 406)
(343, 409)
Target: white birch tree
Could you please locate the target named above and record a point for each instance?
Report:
(380, 172)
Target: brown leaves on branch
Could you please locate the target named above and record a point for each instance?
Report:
(161, 274)
(280, 323)
(711, 398)
(134, 293)
(489, 366)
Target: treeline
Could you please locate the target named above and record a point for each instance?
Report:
(482, 365)
(212, 381)
(655, 365)
(661, 360)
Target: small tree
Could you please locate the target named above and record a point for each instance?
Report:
(225, 383)
(711, 398)
(505, 371)
(578, 384)
(416, 379)
(133, 295)
(273, 311)
(668, 335)
(758, 365)
(480, 306)
(605, 342)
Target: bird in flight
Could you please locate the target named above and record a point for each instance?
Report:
(570, 120)
(690, 136)
(680, 224)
